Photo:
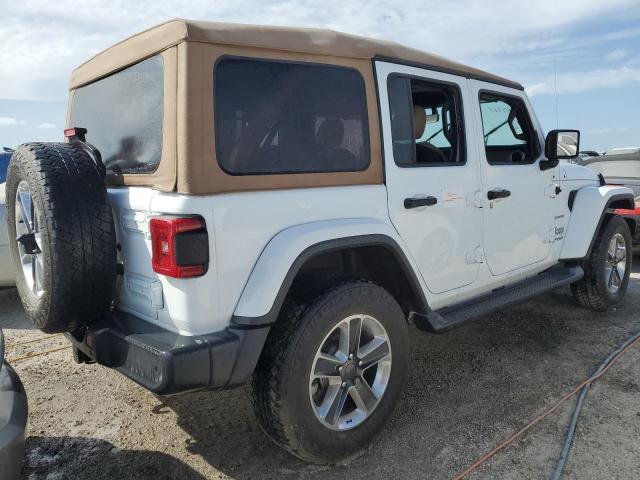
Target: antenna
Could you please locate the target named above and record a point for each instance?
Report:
(555, 86)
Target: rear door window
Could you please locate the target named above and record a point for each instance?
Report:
(275, 117)
(426, 122)
(123, 116)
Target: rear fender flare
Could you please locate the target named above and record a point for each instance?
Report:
(286, 253)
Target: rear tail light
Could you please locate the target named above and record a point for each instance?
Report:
(180, 246)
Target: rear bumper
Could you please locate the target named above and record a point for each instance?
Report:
(13, 422)
(167, 363)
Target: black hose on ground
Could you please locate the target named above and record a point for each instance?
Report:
(571, 430)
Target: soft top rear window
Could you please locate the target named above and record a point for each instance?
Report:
(123, 116)
(282, 117)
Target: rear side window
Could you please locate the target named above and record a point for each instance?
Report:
(509, 137)
(279, 117)
(123, 116)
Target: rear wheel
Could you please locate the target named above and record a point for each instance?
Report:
(607, 270)
(332, 372)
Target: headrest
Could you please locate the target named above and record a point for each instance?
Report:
(419, 121)
(330, 133)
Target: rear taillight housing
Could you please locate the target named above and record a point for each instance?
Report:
(180, 246)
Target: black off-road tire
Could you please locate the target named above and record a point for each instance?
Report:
(591, 291)
(78, 244)
(280, 383)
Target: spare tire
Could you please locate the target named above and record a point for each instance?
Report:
(62, 235)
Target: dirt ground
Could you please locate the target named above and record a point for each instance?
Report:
(469, 389)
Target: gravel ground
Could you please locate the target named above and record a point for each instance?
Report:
(469, 389)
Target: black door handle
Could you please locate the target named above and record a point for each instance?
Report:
(498, 193)
(419, 202)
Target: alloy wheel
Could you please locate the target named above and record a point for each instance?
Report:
(616, 263)
(350, 372)
(29, 240)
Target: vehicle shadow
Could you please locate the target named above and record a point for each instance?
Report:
(468, 390)
(51, 458)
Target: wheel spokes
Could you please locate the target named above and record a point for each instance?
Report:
(355, 330)
(24, 205)
(611, 251)
(326, 366)
(615, 278)
(335, 405)
(38, 280)
(373, 352)
(362, 395)
(350, 331)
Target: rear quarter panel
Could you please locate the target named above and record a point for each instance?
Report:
(240, 225)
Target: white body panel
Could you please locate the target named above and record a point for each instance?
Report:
(7, 278)
(440, 237)
(518, 247)
(587, 207)
(516, 228)
(576, 173)
(240, 226)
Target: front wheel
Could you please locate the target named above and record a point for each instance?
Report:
(332, 372)
(607, 269)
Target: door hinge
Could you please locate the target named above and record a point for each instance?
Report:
(476, 199)
(474, 256)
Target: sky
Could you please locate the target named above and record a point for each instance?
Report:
(588, 51)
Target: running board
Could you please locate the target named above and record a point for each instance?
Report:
(456, 315)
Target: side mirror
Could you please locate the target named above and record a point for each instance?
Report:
(560, 145)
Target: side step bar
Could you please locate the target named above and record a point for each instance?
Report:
(451, 317)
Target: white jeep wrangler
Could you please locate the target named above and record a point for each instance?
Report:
(281, 204)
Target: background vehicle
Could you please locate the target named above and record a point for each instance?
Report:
(250, 229)
(6, 269)
(620, 166)
(589, 153)
(13, 419)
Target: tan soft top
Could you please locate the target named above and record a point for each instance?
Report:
(314, 41)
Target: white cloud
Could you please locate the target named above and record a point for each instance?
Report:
(47, 125)
(616, 55)
(576, 82)
(10, 122)
(608, 131)
(43, 41)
